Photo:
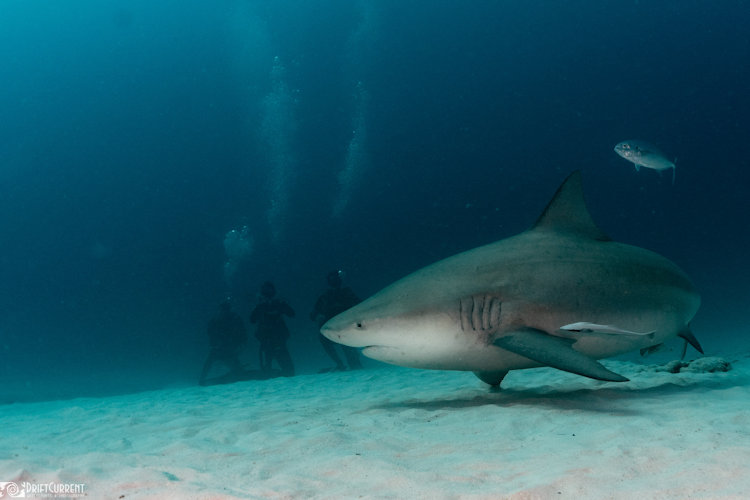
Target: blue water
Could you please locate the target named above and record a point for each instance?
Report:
(375, 137)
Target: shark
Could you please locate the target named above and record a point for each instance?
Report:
(560, 294)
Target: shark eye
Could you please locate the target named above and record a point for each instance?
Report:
(359, 326)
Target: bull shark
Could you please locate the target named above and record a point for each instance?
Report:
(560, 294)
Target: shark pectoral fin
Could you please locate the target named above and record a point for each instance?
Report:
(556, 352)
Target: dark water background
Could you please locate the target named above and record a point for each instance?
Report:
(134, 135)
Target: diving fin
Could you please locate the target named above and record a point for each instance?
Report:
(556, 352)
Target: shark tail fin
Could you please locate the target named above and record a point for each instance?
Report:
(690, 339)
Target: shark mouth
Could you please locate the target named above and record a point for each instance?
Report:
(370, 348)
(382, 352)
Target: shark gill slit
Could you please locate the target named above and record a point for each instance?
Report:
(480, 313)
(486, 313)
(476, 313)
(465, 314)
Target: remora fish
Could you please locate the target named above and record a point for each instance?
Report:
(515, 303)
(583, 327)
(643, 154)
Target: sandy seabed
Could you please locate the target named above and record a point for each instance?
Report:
(394, 432)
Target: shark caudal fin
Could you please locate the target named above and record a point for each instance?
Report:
(690, 339)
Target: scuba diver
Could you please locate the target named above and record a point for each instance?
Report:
(227, 336)
(272, 332)
(336, 299)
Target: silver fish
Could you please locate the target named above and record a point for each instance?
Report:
(643, 154)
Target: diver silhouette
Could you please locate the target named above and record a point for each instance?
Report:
(272, 332)
(227, 336)
(336, 299)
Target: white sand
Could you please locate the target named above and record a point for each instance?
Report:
(398, 433)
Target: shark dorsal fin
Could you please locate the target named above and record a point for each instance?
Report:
(567, 211)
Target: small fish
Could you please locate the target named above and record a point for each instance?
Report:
(583, 327)
(643, 154)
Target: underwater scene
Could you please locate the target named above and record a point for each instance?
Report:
(374, 249)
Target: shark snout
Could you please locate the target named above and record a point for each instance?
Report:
(330, 332)
(344, 331)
